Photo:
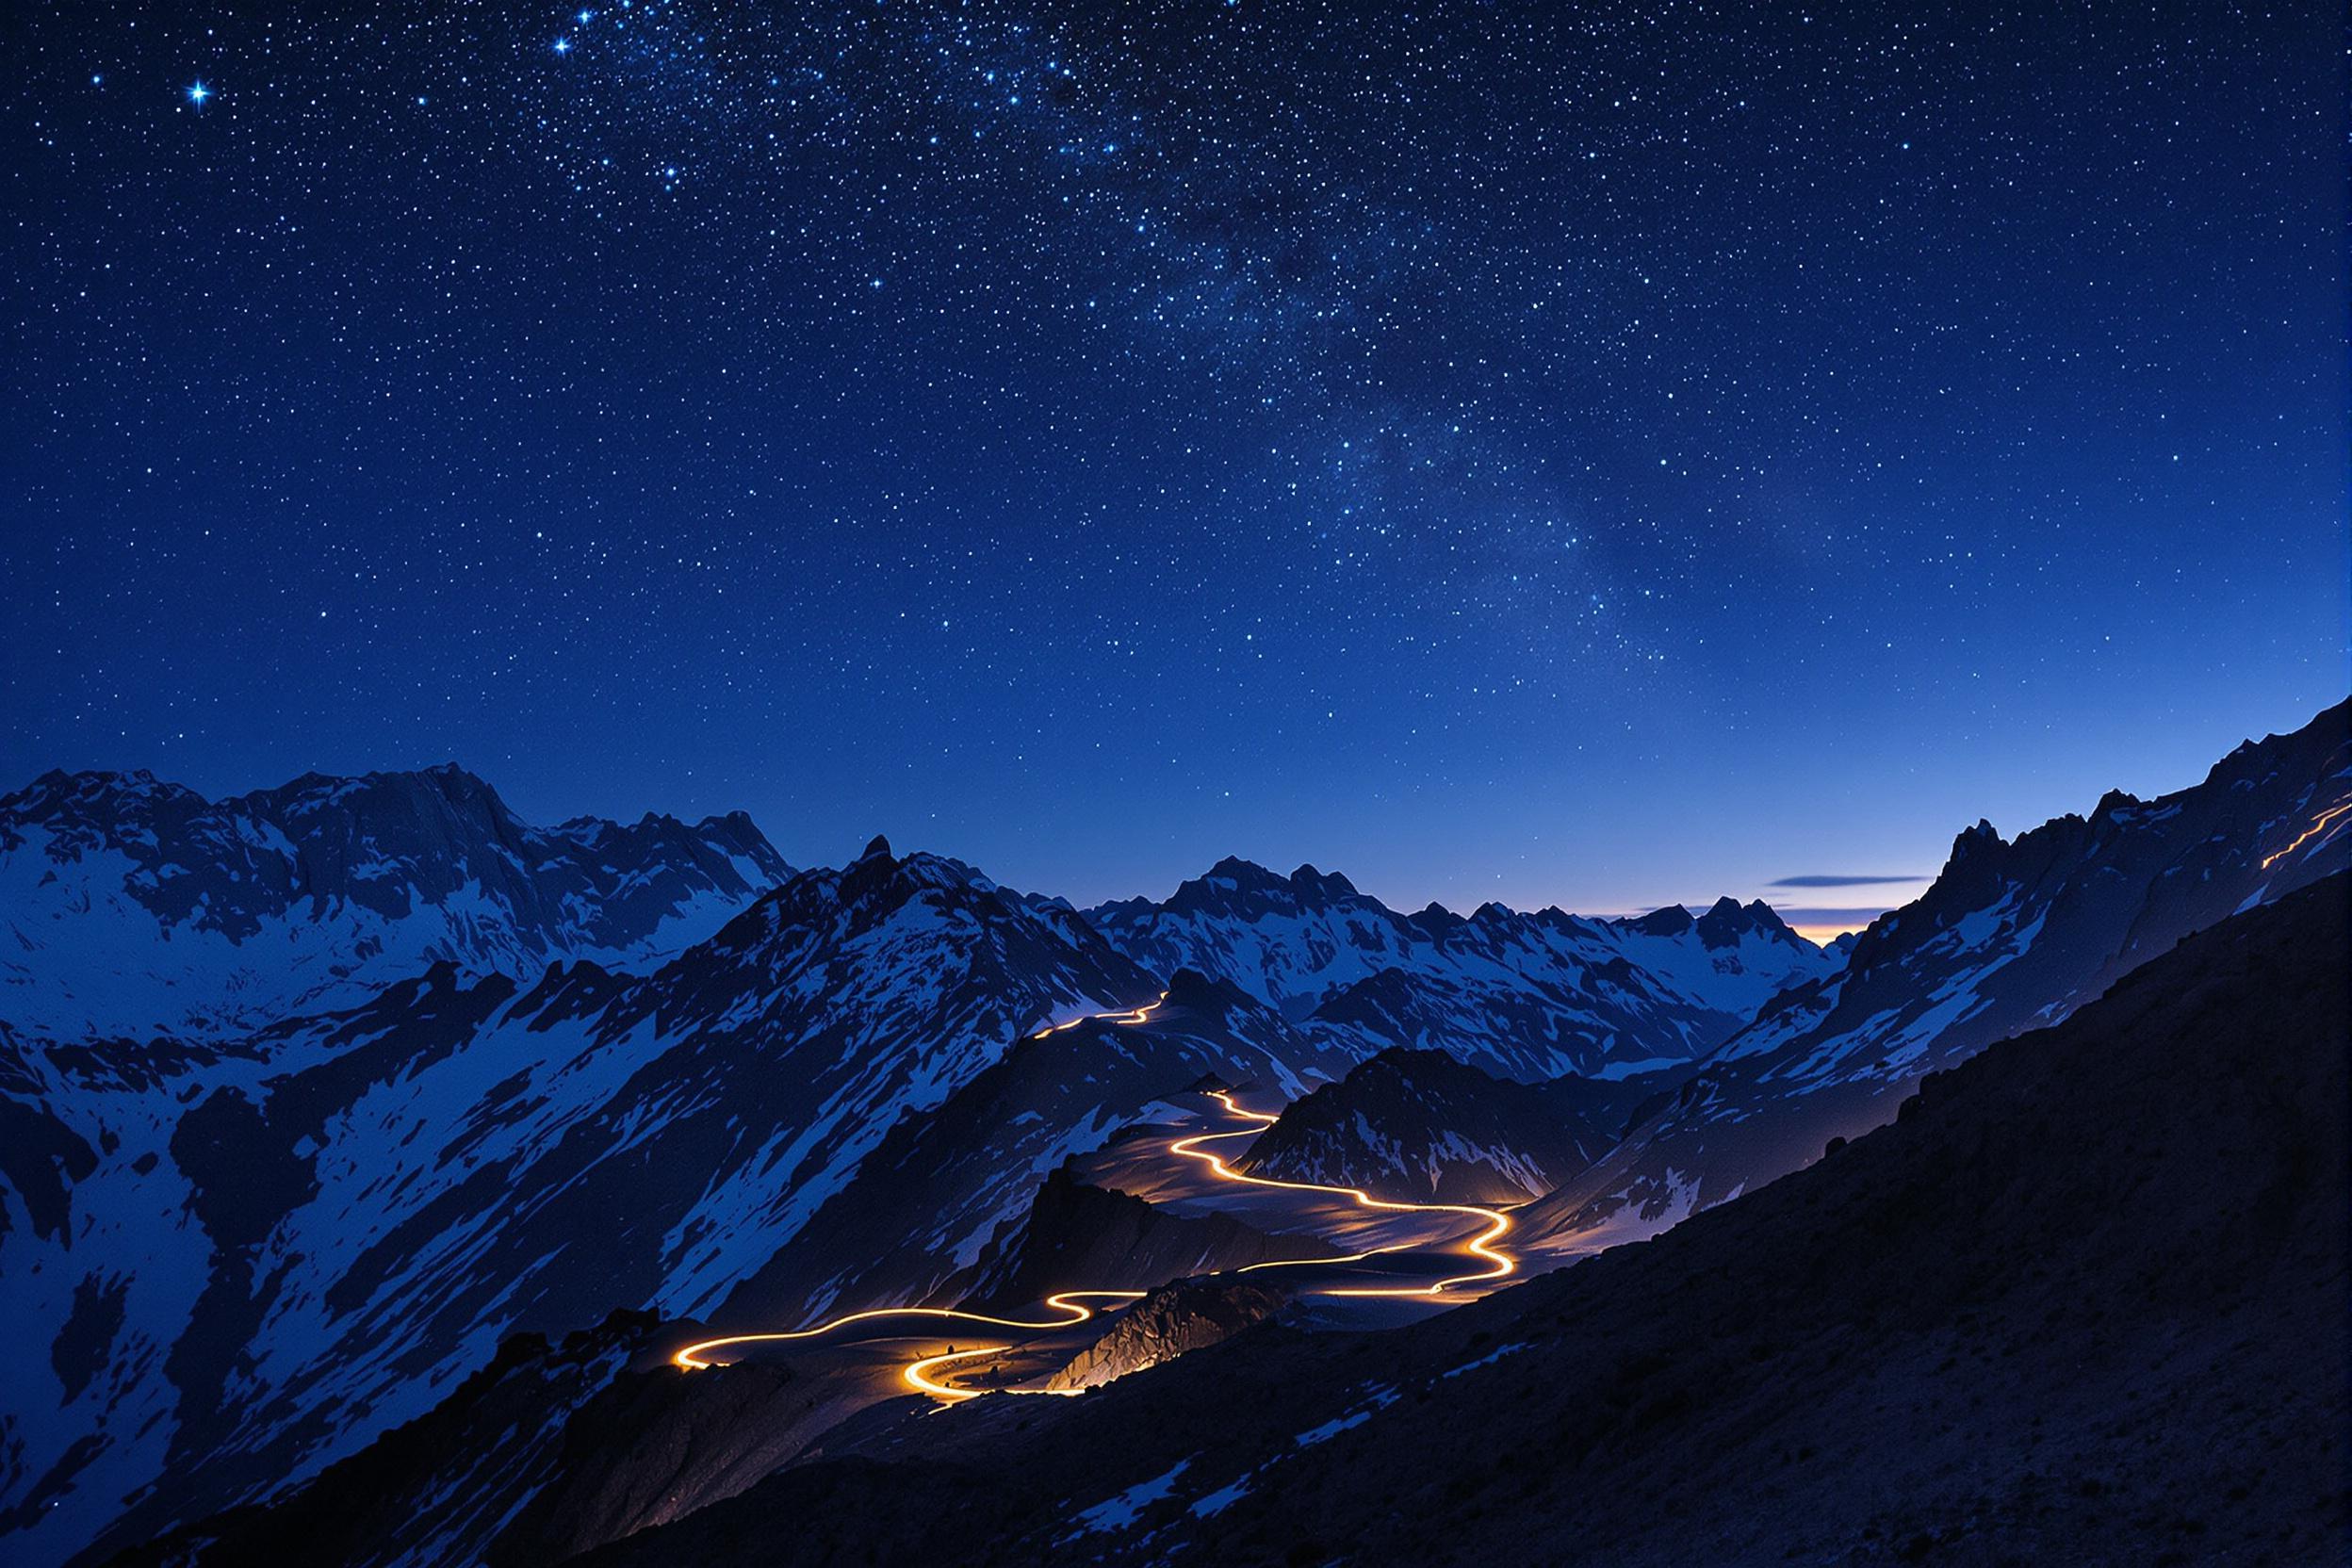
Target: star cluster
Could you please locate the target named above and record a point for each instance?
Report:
(1595, 454)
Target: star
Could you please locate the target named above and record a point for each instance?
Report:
(198, 92)
(563, 45)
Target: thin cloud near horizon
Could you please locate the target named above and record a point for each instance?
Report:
(1834, 881)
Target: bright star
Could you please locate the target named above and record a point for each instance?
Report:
(197, 93)
(563, 46)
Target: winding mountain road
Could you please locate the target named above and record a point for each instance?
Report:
(1070, 1305)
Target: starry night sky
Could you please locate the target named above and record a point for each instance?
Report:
(1601, 454)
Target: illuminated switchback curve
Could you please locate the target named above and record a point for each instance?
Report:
(1497, 1263)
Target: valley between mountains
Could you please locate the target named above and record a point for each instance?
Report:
(385, 1179)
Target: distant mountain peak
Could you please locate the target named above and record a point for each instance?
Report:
(58, 789)
(1983, 835)
(1728, 920)
(1235, 883)
(1233, 868)
(1528, 995)
(1247, 876)
(1330, 885)
(1435, 920)
(2116, 802)
(881, 879)
(1673, 920)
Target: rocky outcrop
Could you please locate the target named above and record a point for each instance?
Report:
(1082, 1237)
(1190, 1315)
(655, 1445)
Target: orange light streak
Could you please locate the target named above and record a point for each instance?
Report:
(2319, 825)
(1132, 1016)
(692, 1360)
(915, 1375)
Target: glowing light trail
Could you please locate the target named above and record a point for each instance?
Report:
(1070, 1303)
(2319, 825)
(692, 1358)
(1498, 1265)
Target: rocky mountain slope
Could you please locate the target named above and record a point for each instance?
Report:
(2081, 1303)
(245, 1257)
(1518, 995)
(2011, 935)
(132, 906)
(1421, 1127)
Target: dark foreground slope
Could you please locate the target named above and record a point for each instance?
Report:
(2084, 1301)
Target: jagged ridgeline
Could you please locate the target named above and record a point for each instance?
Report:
(135, 906)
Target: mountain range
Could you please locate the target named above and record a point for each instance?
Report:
(1522, 995)
(134, 906)
(312, 1101)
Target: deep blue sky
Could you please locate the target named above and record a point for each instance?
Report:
(1599, 455)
